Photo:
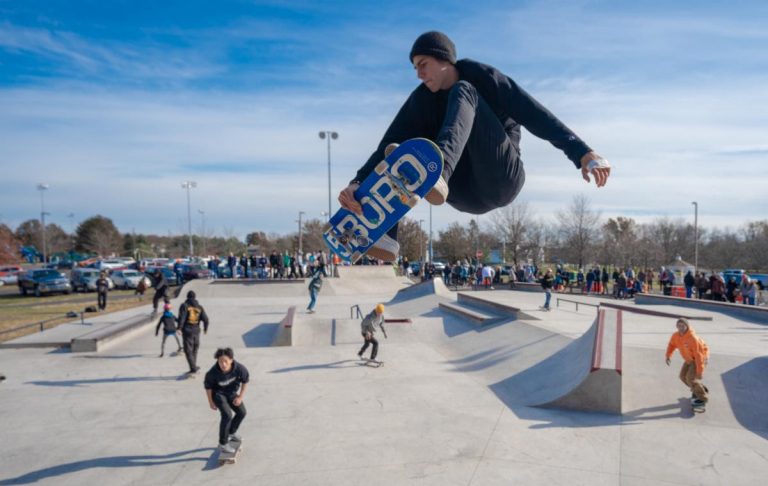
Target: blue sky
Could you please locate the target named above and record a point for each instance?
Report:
(115, 103)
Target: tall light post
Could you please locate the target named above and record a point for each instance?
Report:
(301, 213)
(421, 247)
(329, 135)
(695, 237)
(71, 217)
(188, 185)
(42, 187)
(202, 214)
(429, 250)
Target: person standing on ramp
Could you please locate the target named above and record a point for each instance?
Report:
(368, 329)
(225, 384)
(191, 314)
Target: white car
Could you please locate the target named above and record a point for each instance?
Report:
(110, 264)
(126, 279)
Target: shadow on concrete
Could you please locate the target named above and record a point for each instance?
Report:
(99, 381)
(681, 409)
(335, 364)
(118, 356)
(260, 336)
(747, 391)
(486, 359)
(108, 462)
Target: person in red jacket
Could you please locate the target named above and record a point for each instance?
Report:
(695, 354)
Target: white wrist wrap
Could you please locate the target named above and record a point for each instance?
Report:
(600, 163)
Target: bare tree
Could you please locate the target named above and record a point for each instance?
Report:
(511, 224)
(454, 243)
(620, 238)
(578, 230)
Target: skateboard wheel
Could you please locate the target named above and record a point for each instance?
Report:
(362, 241)
(381, 167)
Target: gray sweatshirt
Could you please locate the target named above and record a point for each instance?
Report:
(370, 321)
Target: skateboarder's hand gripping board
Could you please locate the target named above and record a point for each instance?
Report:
(369, 209)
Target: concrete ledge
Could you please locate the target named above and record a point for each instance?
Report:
(750, 312)
(284, 331)
(480, 302)
(527, 287)
(649, 312)
(464, 312)
(255, 281)
(95, 339)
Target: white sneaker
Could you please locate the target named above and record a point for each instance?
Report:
(226, 448)
(390, 148)
(438, 194)
(235, 438)
(385, 249)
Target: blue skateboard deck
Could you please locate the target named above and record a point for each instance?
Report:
(395, 186)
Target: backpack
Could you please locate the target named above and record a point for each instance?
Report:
(193, 315)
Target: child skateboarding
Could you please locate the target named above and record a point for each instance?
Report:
(695, 354)
(474, 114)
(170, 325)
(368, 329)
(225, 384)
(315, 284)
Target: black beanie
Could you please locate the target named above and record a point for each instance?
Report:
(435, 44)
(191, 295)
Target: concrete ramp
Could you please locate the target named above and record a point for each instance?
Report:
(584, 376)
(423, 289)
(366, 279)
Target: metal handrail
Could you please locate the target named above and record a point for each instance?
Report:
(41, 323)
(558, 299)
(359, 312)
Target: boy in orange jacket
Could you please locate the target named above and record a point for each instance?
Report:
(695, 354)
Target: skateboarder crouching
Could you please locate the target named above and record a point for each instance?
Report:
(225, 385)
(695, 354)
(368, 329)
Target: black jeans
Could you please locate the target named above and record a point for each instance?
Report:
(191, 345)
(102, 298)
(231, 415)
(375, 349)
(482, 164)
(160, 294)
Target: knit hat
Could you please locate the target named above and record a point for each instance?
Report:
(191, 295)
(435, 44)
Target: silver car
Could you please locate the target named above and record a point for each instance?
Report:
(84, 279)
(126, 279)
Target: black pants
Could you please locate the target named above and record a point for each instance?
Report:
(231, 415)
(482, 163)
(375, 343)
(191, 346)
(160, 294)
(102, 298)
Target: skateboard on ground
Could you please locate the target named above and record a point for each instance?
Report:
(698, 406)
(396, 185)
(372, 362)
(230, 457)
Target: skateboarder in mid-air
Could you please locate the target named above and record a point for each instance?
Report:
(473, 112)
(368, 329)
(225, 385)
(695, 354)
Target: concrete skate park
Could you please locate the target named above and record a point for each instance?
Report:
(478, 388)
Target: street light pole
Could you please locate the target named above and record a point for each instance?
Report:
(202, 213)
(429, 251)
(695, 237)
(329, 135)
(189, 185)
(42, 187)
(301, 213)
(421, 247)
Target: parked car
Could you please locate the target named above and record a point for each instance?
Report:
(110, 264)
(191, 271)
(736, 273)
(9, 274)
(126, 279)
(84, 279)
(43, 281)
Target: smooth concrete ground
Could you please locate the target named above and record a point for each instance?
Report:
(438, 412)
